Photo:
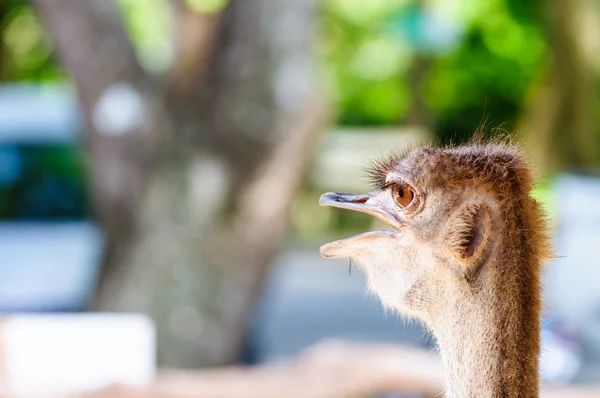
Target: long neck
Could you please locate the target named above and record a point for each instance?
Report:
(490, 337)
(484, 359)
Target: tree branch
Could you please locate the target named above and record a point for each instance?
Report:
(92, 44)
(194, 35)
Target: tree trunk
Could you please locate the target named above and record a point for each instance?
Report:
(194, 195)
(559, 124)
(419, 113)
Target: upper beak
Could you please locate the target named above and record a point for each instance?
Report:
(363, 203)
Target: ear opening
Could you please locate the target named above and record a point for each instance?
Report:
(469, 237)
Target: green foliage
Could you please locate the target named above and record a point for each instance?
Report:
(24, 45)
(148, 25)
(369, 48)
(43, 182)
(26, 51)
(365, 61)
(207, 6)
(490, 74)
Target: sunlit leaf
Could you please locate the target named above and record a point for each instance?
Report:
(149, 26)
(361, 11)
(25, 39)
(207, 6)
(380, 58)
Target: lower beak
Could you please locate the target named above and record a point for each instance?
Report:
(349, 247)
(362, 203)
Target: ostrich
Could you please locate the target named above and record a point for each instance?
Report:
(464, 257)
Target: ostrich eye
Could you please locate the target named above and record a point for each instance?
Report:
(403, 196)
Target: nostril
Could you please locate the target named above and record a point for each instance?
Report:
(361, 200)
(349, 198)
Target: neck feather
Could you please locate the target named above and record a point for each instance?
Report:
(489, 336)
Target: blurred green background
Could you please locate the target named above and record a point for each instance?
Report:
(446, 65)
(481, 58)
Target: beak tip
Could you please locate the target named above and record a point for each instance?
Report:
(322, 252)
(325, 199)
(328, 250)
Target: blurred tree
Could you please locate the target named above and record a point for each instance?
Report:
(194, 173)
(559, 124)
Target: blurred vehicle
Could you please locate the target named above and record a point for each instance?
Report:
(49, 247)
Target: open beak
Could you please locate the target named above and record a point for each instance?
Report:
(366, 203)
(371, 203)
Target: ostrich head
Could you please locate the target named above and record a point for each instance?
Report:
(457, 216)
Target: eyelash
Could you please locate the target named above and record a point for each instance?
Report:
(394, 184)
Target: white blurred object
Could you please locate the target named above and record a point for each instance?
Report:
(120, 110)
(571, 281)
(63, 354)
(560, 360)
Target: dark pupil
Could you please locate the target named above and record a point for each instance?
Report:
(401, 193)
